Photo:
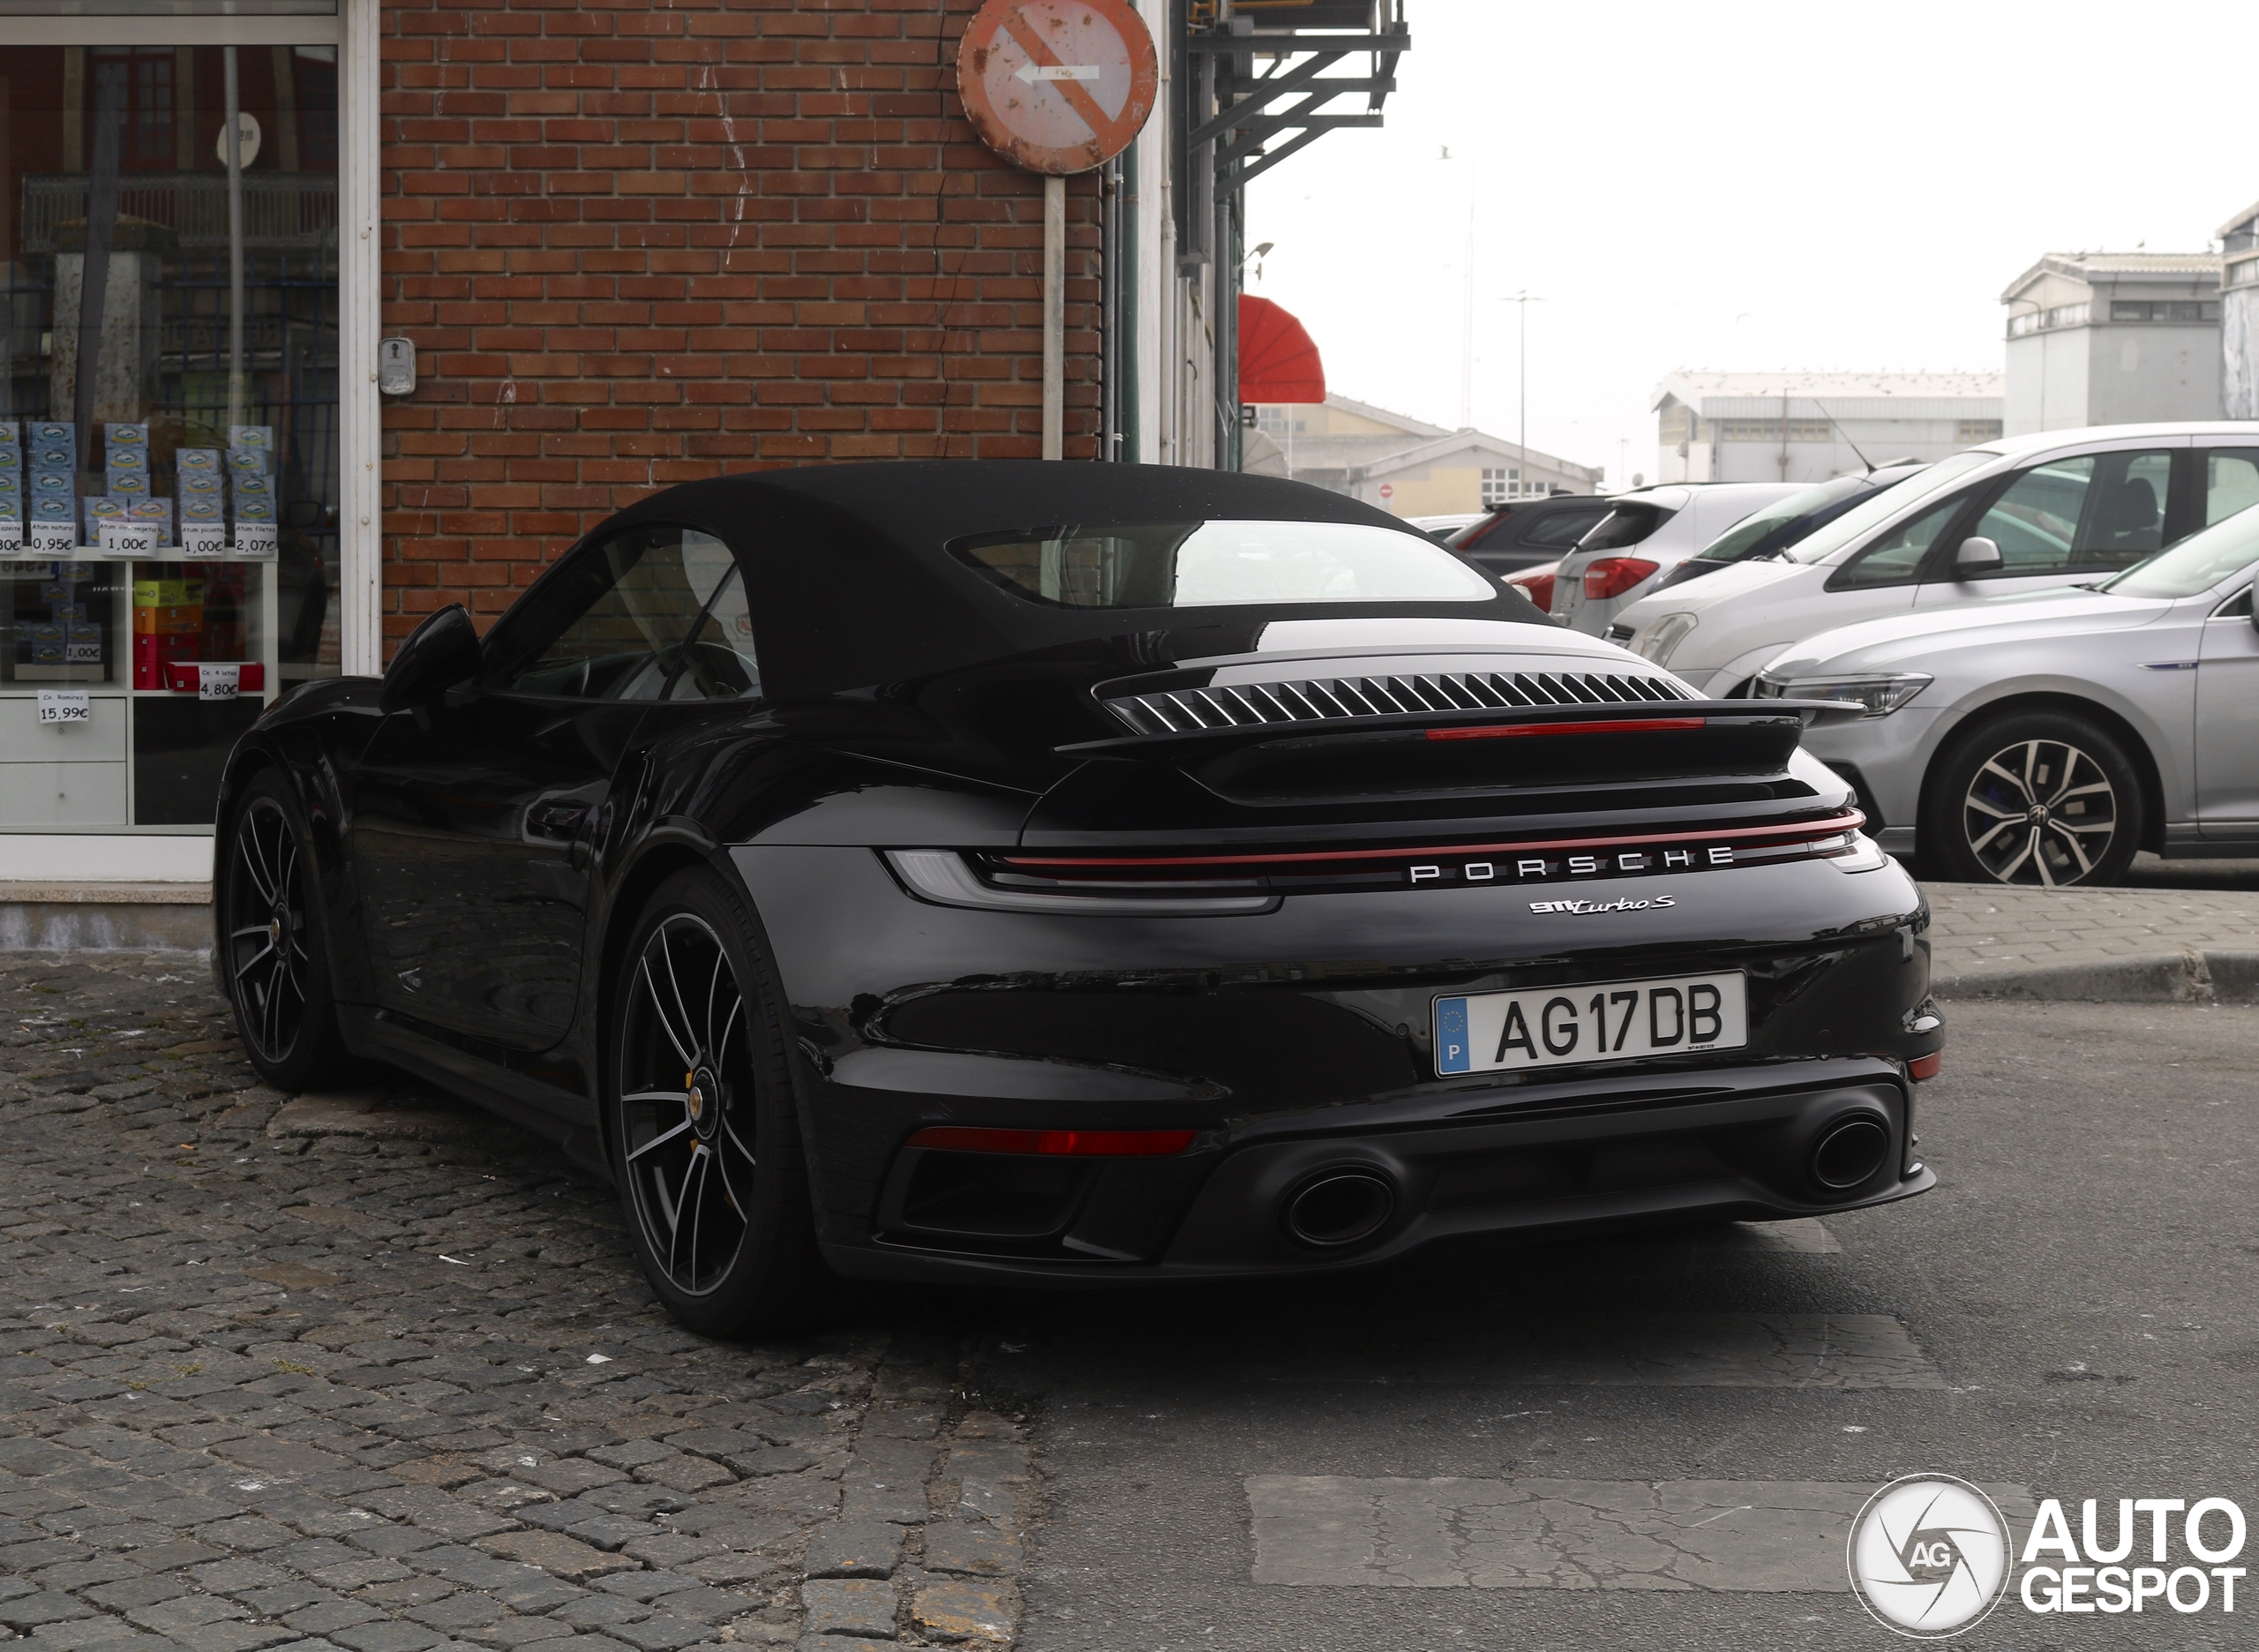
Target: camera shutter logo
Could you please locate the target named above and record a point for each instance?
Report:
(1929, 1556)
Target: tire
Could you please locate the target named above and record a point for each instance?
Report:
(2040, 799)
(271, 945)
(705, 1139)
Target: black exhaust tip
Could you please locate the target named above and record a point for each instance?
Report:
(1338, 1208)
(1848, 1152)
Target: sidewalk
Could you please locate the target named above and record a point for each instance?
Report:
(2179, 946)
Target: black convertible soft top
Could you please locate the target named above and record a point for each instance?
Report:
(853, 584)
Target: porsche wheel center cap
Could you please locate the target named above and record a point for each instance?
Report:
(704, 1101)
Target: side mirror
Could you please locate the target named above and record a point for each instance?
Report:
(1977, 555)
(439, 654)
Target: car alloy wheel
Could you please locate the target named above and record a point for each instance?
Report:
(268, 959)
(2041, 811)
(268, 952)
(686, 1084)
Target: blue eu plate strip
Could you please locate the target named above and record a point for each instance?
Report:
(1453, 1055)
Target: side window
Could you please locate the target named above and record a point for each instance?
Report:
(1561, 529)
(611, 622)
(1896, 558)
(2087, 514)
(2230, 483)
(719, 661)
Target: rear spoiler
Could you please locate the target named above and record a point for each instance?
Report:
(1501, 723)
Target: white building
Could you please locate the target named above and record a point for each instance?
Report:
(1406, 465)
(2113, 338)
(2240, 315)
(1806, 427)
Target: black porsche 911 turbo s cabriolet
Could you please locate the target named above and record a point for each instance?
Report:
(1072, 873)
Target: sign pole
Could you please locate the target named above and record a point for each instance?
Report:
(1055, 317)
(1057, 87)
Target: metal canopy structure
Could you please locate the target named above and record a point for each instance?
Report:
(1251, 83)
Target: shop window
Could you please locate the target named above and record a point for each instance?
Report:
(169, 428)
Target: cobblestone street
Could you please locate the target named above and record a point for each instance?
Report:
(350, 1377)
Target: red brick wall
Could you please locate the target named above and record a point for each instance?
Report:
(639, 244)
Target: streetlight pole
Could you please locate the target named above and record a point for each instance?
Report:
(1524, 298)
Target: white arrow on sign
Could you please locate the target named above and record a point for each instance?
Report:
(1033, 72)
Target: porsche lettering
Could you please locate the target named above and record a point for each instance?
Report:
(1526, 868)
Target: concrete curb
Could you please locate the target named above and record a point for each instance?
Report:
(2189, 976)
(105, 917)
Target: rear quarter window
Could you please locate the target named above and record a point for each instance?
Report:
(1559, 529)
(1624, 525)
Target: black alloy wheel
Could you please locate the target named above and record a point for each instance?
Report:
(704, 1138)
(2040, 799)
(270, 944)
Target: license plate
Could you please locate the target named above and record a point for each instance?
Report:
(1597, 1021)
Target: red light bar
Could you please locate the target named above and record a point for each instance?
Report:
(1923, 1067)
(1056, 1143)
(1514, 730)
(1849, 821)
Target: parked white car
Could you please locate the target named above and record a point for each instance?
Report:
(2044, 738)
(2022, 512)
(1651, 532)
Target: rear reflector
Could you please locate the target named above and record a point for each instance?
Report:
(1538, 588)
(1060, 1144)
(1624, 725)
(1923, 1067)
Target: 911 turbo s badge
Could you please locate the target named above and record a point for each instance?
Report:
(1581, 906)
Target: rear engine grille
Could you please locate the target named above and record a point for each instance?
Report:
(1335, 699)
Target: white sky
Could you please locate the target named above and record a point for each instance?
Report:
(1741, 186)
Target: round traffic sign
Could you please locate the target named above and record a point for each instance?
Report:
(1057, 85)
(1388, 489)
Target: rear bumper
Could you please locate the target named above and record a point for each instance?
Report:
(1297, 1043)
(1727, 1144)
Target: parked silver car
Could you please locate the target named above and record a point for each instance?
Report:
(1651, 532)
(2043, 737)
(2020, 512)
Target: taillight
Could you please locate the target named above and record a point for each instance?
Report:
(1538, 588)
(1924, 1068)
(1612, 576)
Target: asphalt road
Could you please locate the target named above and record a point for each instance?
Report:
(376, 1375)
(2078, 1289)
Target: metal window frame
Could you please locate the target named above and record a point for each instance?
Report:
(354, 33)
(138, 851)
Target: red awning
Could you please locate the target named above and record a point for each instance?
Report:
(1277, 361)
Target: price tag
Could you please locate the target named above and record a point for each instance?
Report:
(218, 682)
(129, 539)
(30, 570)
(54, 539)
(11, 537)
(254, 539)
(82, 653)
(203, 539)
(65, 705)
